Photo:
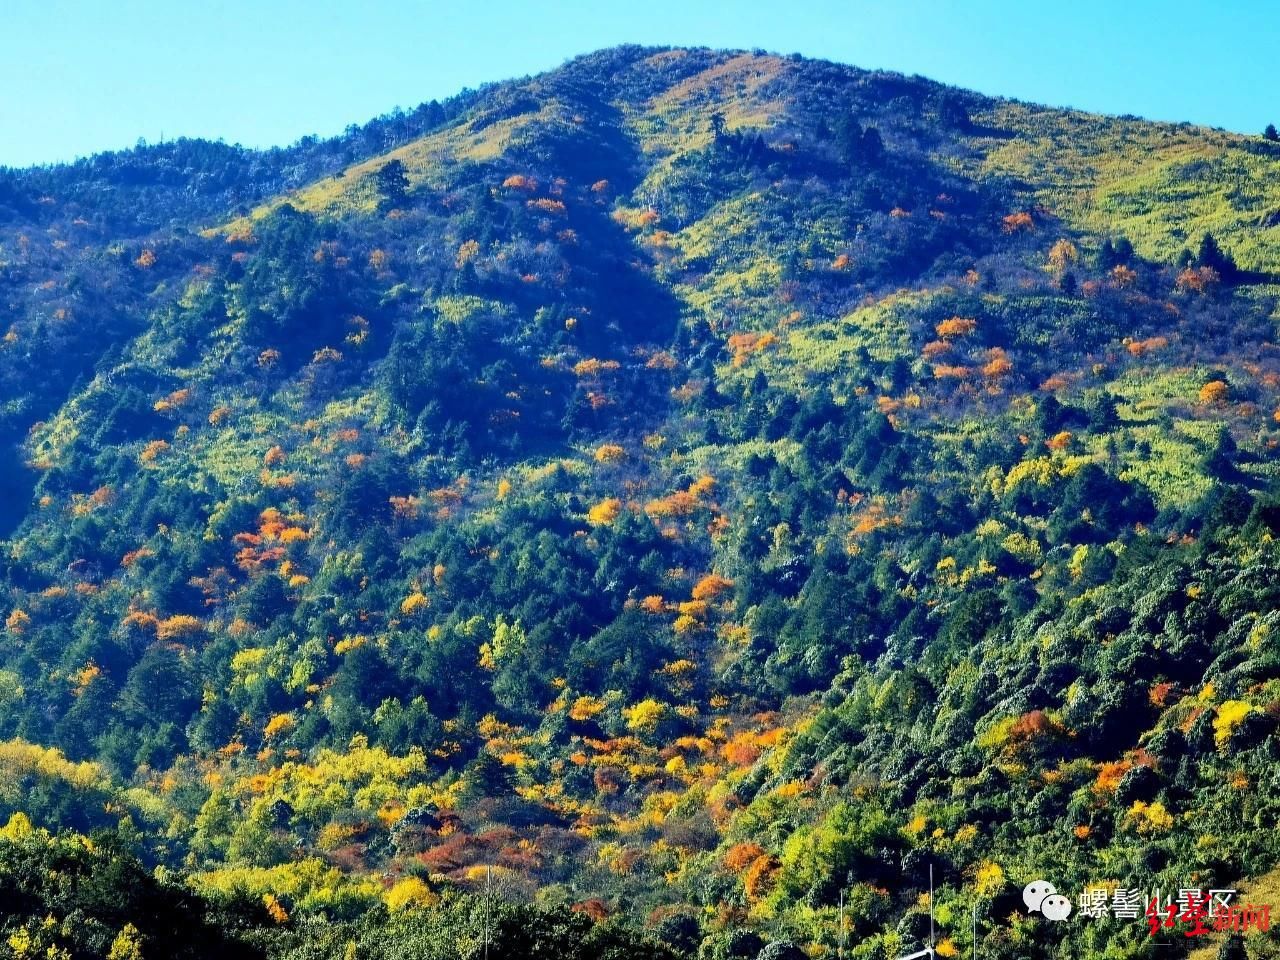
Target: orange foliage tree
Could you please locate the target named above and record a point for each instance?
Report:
(1213, 392)
(957, 327)
(710, 587)
(1017, 222)
(998, 364)
(1202, 280)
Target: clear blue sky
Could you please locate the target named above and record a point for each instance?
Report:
(79, 76)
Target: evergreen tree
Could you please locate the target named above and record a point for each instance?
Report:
(1107, 255)
(1114, 253)
(718, 128)
(953, 113)
(848, 135)
(393, 185)
(1213, 256)
(872, 147)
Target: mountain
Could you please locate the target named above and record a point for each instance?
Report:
(662, 507)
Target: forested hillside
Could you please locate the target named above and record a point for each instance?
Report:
(630, 511)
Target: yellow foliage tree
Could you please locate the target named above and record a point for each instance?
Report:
(686, 624)
(127, 945)
(1062, 255)
(1123, 276)
(278, 725)
(1149, 818)
(411, 893)
(1202, 280)
(605, 512)
(989, 878)
(467, 251)
(18, 828)
(645, 716)
(275, 909)
(414, 603)
(653, 604)
(1231, 714)
(179, 627)
(175, 400)
(998, 364)
(1017, 222)
(760, 877)
(586, 708)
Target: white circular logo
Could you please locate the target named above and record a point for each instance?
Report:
(1033, 893)
(1056, 907)
(1043, 897)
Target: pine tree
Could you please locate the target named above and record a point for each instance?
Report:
(848, 138)
(718, 126)
(1211, 255)
(1107, 255)
(872, 147)
(953, 113)
(392, 184)
(1114, 253)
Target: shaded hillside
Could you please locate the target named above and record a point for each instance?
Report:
(687, 486)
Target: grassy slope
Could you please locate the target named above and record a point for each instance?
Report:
(1260, 890)
(1162, 185)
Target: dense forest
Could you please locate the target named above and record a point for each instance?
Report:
(668, 508)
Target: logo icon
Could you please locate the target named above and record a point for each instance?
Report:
(1042, 896)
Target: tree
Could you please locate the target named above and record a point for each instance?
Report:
(717, 126)
(1215, 391)
(858, 147)
(392, 184)
(161, 687)
(872, 147)
(680, 931)
(848, 136)
(1271, 134)
(781, 950)
(953, 113)
(736, 944)
(1202, 280)
(1062, 255)
(1233, 947)
(1112, 254)
(1215, 258)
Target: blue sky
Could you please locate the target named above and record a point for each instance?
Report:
(78, 76)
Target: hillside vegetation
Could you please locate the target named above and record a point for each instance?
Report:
(629, 511)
